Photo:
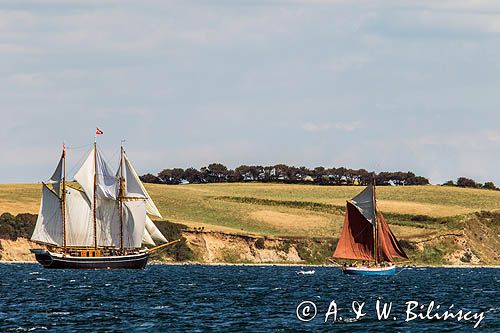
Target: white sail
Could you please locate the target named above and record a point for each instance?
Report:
(146, 239)
(364, 201)
(79, 219)
(135, 188)
(155, 233)
(49, 226)
(85, 175)
(57, 176)
(134, 220)
(108, 222)
(106, 182)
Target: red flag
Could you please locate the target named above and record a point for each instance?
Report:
(98, 131)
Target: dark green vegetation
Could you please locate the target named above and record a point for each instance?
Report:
(179, 251)
(281, 173)
(470, 183)
(13, 227)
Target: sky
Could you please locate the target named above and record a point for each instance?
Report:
(380, 85)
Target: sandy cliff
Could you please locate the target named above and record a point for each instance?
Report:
(18, 250)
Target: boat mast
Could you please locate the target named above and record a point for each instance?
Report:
(95, 189)
(63, 197)
(120, 197)
(375, 234)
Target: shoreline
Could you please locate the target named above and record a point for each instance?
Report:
(273, 264)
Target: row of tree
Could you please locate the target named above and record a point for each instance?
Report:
(470, 183)
(219, 173)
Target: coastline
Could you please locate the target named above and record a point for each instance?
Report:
(274, 264)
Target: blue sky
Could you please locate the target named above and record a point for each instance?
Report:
(384, 85)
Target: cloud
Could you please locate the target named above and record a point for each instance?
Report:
(252, 82)
(486, 139)
(321, 127)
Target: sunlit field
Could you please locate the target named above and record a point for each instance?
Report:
(285, 210)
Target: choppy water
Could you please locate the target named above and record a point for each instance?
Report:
(236, 298)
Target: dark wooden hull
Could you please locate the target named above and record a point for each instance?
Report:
(54, 260)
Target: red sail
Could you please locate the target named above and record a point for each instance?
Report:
(388, 246)
(356, 240)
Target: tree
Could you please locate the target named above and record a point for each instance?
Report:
(489, 186)
(192, 175)
(217, 172)
(419, 180)
(171, 176)
(466, 182)
(449, 183)
(149, 178)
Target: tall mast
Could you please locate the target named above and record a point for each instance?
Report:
(375, 234)
(95, 190)
(63, 197)
(120, 197)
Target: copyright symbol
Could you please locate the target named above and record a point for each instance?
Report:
(306, 311)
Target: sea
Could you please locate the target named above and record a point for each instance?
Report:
(203, 298)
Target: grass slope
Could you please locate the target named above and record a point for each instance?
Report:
(414, 212)
(311, 217)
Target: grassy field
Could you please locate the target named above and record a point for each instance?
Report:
(290, 210)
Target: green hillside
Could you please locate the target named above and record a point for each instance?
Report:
(415, 213)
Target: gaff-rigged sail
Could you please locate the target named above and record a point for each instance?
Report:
(49, 227)
(365, 203)
(106, 183)
(57, 176)
(357, 240)
(135, 188)
(79, 220)
(115, 221)
(388, 246)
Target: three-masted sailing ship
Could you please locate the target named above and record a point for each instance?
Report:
(366, 237)
(99, 222)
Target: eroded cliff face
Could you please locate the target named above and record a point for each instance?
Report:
(477, 242)
(216, 247)
(18, 250)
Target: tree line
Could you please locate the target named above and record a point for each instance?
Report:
(219, 173)
(470, 183)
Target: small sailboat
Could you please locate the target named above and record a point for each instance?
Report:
(102, 223)
(366, 236)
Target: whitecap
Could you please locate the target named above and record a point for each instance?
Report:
(494, 310)
(348, 320)
(310, 272)
(160, 307)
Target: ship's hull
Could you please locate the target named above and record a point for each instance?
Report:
(369, 270)
(55, 260)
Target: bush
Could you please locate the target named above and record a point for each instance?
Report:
(172, 231)
(260, 244)
(466, 182)
(406, 245)
(466, 257)
(14, 227)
